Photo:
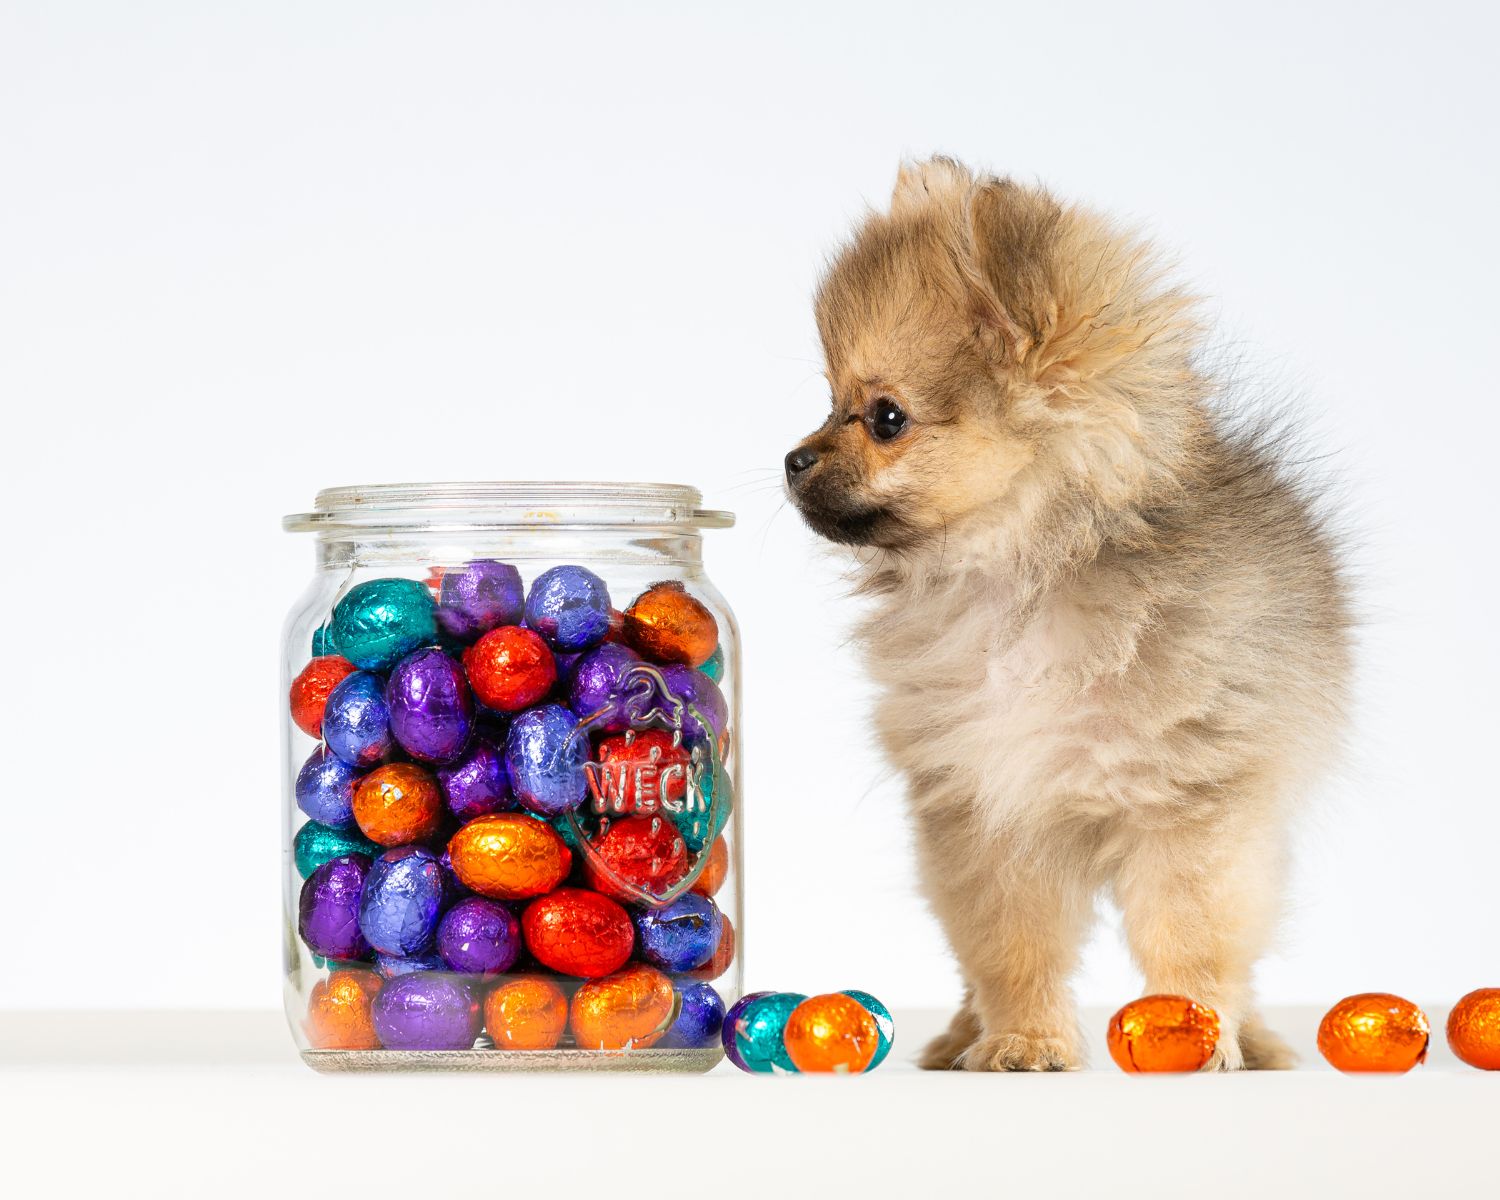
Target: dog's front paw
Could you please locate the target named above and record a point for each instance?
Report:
(1022, 1052)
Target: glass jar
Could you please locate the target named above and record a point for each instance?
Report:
(511, 765)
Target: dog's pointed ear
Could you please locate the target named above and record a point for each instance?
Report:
(1010, 250)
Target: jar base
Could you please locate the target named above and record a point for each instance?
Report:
(342, 1061)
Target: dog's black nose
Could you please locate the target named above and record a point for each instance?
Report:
(798, 461)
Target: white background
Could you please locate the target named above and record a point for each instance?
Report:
(249, 251)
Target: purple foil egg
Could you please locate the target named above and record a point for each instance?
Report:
(477, 784)
(325, 789)
(695, 691)
(328, 909)
(479, 596)
(479, 937)
(545, 761)
(700, 1018)
(597, 687)
(432, 712)
(426, 1010)
(402, 900)
(731, 1021)
(569, 606)
(356, 721)
(389, 966)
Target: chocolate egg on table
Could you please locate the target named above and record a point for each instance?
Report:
(311, 688)
(403, 897)
(731, 1022)
(705, 712)
(630, 1009)
(388, 966)
(530, 1013)
(831, 1034)
(639, 771)
(382, 620)
(476, 784)
(325, 789)
(510, 668)
(339, 1012)
(1474, 1029)
(884, 1023)
(680, 936)
(1374, 1031)
(700, 1018)
(544, 757)
(479, 596)
(1163, 1033)
(479, 937)
(757, 1033)
(715, 870)
(356, 721)
(328, 909)
(668, 624)
(598, 688)
(569, 606)
(509, 856)
(426, 1010)
(431, 710)
(722, 958)
(578, 932)
(638, 853)
(397, 804)
(316, 843)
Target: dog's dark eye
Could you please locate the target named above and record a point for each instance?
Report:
(886, 419)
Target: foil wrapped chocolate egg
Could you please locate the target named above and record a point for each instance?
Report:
(545, 757)
(703, 819)
(398, 804)
(637, 855)
(831, 1034)
(310, 691)
(530, 1013)
(510, 668)
(402, 900)
(700, 1018)
(578, 932)
(642, 771)
(356, 721)
(714, 667)
(1163, 1033)
(479, 937)
(325, 789)
(1474, 1029)
(758, 1030)
(680, 936)
(382, 620)
(569, 606)
(509, 856)
(705, 712)
(426, 1010)
(599, 687)
(723, 957)
(477, 784)
(389, 966)
(316, 843)
(1374, 1031)
(322, 643)
(715, 870)
(630, 1009)
(479, 596)
(885, 1024)
(328, 909)
(339, 1013)
(431, 710)
(731, 1022)
(668, 624)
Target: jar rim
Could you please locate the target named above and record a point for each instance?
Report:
(505, 504)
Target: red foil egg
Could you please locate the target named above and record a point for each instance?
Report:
(667, 623)
(309, 692)
(507, 856)
(530, 1013)
(510, 668)
(398, 804)
(638, 852)
(637, 771)
(339, 1012)
(577, 932)
(627, 1010)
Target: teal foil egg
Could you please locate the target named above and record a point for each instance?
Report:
(699, 828)
(714, 667)
(758, 1030)
(883, 1021)
(315, 844)
(382, 620)
(322, 642)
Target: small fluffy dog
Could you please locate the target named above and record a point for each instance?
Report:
(1110, 634)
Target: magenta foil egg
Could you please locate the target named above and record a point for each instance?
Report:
(431, 709)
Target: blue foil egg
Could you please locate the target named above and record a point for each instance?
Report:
(884, 1022)
(479, 596)
(758, 1033)
(389, 966)
(597, 687)
(402, 901)
(569, 606)
(682, 935)
(328, 909)
(476, 784)
(381, 620)
(325, 789)
(356, 721)
(714, 667)
(700, 1017)
(545, 761)
(316, 843)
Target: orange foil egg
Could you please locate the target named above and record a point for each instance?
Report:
(833, 1033)
(338, 1012)
(1374, 1031)
(668, 624)
(1474, 1029)
(630, 1009)
(711, 878)
(1163, 1034)
(398, 804)
(506, 856)
(526, 1014)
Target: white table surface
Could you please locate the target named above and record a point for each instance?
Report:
(208, 1104)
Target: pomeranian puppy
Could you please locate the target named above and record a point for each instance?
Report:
(1110, 633)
